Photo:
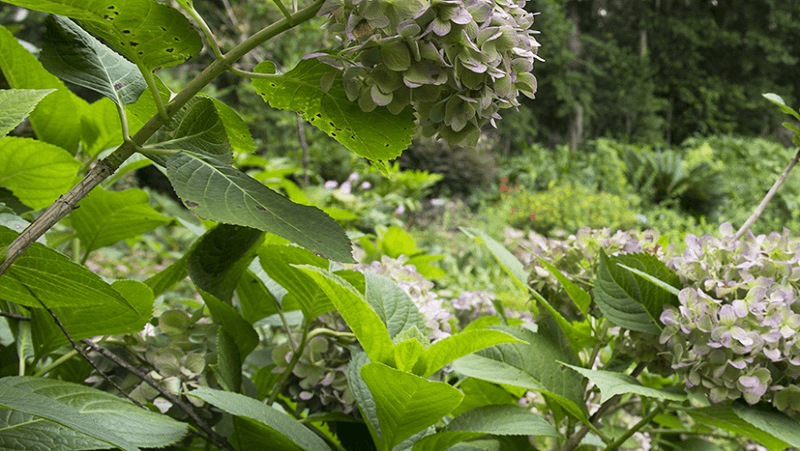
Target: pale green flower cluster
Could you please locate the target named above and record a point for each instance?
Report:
(735, 333)
(456, 62)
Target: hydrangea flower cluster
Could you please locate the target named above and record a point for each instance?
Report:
(318, 380)
(735, 333)
(456, 62)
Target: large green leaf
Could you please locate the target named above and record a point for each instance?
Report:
(494, 420)
(57, 118)
(357, 313)
(35, 171)
(105, 217)
(150, 34)
(239, 135)
(276, 430)
(407, 404)
(232, 322)
(456, 346)
(392, 305)
(220, 257)
(101, 128)
(611, 383)
(278, 260)
(378, 135)
(89, 406)
(197, 128)
(51, 277)
(167, 278)
(21, 407)
(479, 393)
(90, 321)
(533, 365)
(770, 421)
(77, 57)
(629, 300)
(16, 105)
(255, 300)
(216, 191)
(579, 297)
(723, 416)
(228, 368)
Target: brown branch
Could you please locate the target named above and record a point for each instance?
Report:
(104, 168)
(15, 316)
(174, 399)
(770, 194)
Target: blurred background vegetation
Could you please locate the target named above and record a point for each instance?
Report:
(649, 114)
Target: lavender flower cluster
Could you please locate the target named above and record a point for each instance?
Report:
(735, 333)
(457, 62)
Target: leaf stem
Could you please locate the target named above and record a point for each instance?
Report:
(248, 74)
(295, 358)
(151, 84)
(284, 11)
(210, 39)
(104, 168)
(55, 363)
(770, 194)
(636, 427)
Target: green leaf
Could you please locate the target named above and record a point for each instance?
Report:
(57, 118)
(36, 172)
(361, 393)
(778, 100)
(16, 105)
(407, 404)
(770, 421)
(121, 418)
(148, 33)
(218, 192)
(91, 321)
(275, 428)
(47, 275)
(106, 217)
(238, 134)
(197, 128)
(456, 346)
(407, 353)
(228, 318)
(723, 416)
(507, 260)
(392, 305)
(278, 260)
(356, 311)
(77, 57)
(579, 297)
(220, 256)
(255, 300)
(611, 383)
(101, 128)
(533, 365)
(228, 368)
(494, 420)
(479, 393)
(628, 300)
(164, 280)
(378, 135)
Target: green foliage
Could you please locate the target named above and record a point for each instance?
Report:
(18, 104)
(564, 209)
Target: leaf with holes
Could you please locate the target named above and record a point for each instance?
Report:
(49, 414)
(150, 34)
(378, 135)
(16, 105)
(35, 171)
(221, 193)
(57, 118)
(106, 217)
(77, 57)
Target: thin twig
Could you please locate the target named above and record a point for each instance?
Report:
(642, 423)
(288, 371)
(770, 194)
(170, 396)
(78, 348)
(15, 316)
